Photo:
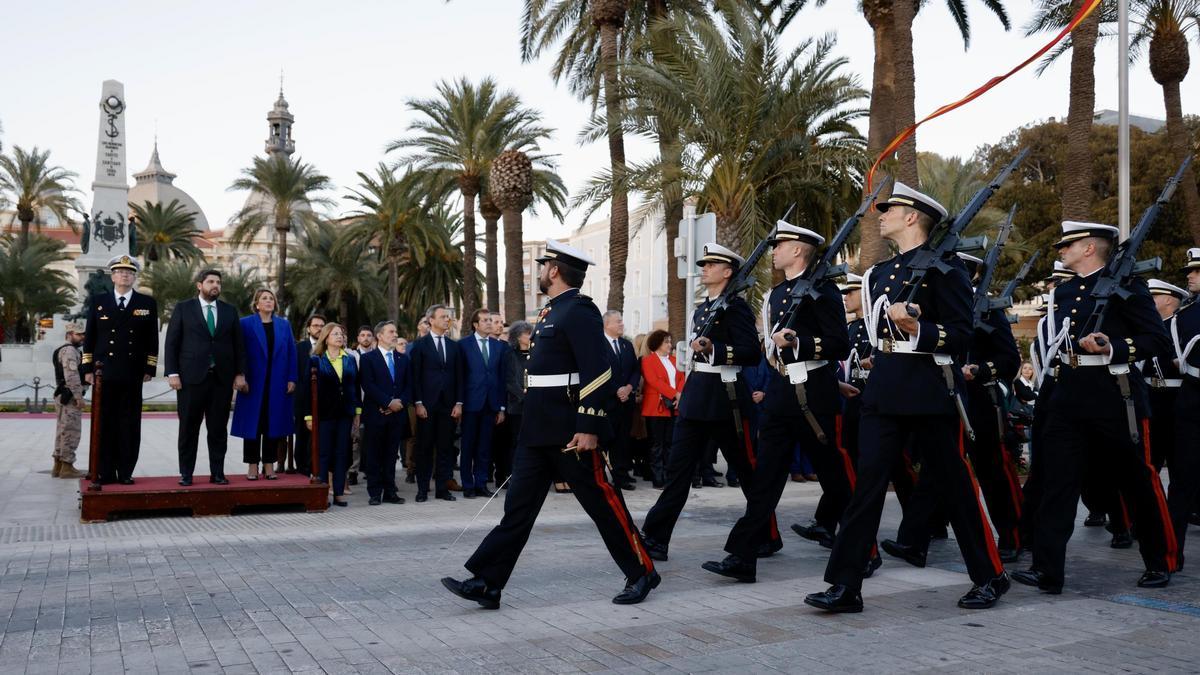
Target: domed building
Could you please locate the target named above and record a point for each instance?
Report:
(156, 185)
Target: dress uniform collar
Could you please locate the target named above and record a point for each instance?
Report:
(569, 293)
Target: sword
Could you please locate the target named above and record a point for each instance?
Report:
(464, 530)
(948, 374)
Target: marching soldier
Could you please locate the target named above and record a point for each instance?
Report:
(801, 402)
(68, 399)
(993, 358)
(908, 399)
(1095, 406)
(122, 334)
(569, 386)
(712, 408)
(1185, 463)
(1162, 374)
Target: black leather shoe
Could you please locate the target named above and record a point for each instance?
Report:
(393, 499)
(985, 596)
(216, 480)
(814, 531)
(1121, 540)
(126, 481)
(1094, 520)
(422, 497)
(468, 493)
(654, 548)
(712, 482)
(483, 492)
(636, 591)
(1194, 519)
(872, 565)
(1039, 580)
(838, 599)
(447, 497)
(1009, 555)
(185, 482)
(733, 482)
(1154, 579)
(374, 501)
(909, 554)
(410, 478)
(352, 479)
(474, 589)
(769, 548)
(734, 568)
(628, 484)
(697, 484)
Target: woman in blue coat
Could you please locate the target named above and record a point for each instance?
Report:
(262, 415)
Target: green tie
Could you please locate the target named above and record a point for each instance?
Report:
(212, 320)
(483, 348)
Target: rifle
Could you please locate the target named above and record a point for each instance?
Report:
(1114, 281)
(938, 255)
(983, 303)
(1004, 301)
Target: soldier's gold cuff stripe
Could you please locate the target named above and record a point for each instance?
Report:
(595, 384)
(86, 358)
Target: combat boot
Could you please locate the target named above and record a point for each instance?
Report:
(69, 471)
(57, 469)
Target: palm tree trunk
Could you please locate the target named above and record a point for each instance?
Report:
(882, 129)
(1077, 179)
(470, 301)
(491, 255)
(393, 288)
(904, 11)
(1180, 147)
(618, 233)
(25, 223)
(514, 267)
(672, 190)
(283, 292)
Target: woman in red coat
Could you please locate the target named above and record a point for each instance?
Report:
(664, 384)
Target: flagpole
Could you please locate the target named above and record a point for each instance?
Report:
(1123, 117)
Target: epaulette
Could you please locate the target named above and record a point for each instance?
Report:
(581, 296)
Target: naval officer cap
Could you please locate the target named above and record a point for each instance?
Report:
(972, 262)
(716, 253)
(565, 254)
(1160, 287)
(853, 283)
(1193, 260)
(903, 195)
(124, 262)
(1060, 273)
(785, 231)
(1074, 230)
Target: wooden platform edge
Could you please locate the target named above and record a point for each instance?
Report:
(100, 506)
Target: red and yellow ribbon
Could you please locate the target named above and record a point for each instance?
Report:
(1082, 14)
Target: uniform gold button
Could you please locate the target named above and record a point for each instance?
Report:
(887, 289)
(893, 276)
(1078, 299)
(897, 265)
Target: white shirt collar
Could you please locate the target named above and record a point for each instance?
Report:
(206, 303)
(481, 337)
(385, 351)
(128, 295)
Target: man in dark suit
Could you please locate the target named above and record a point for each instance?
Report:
(302, 447)
(627, 374)
(483, 406)
(386, 377)
(122, 336)
(205, 362)
(437, 392)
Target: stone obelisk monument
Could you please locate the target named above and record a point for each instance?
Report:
(106, 228)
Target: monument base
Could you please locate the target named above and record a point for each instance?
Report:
(163, 493)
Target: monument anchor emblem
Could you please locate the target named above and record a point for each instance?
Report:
(113, 107)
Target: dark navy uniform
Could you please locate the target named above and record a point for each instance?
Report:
(568, 343)
(906, 401)
(125, 341)
(705, 414)
(821, 340)
(1086, 424)
(1185, 464)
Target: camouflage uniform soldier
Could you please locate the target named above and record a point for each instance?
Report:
(68, 399)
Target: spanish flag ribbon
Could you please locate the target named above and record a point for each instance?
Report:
(1088, 7)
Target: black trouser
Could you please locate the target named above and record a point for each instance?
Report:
(661, 430)
(261, 448)
(380, 450)
(1162, 426)
(882, 439)
(534, 469)
(334, 438)
(504, 444)
(618, 449)
(1071, 443)
(1184, 462)
(120, 429)
(777, 441)
(435, 443)
(207, 401)
(689, 447)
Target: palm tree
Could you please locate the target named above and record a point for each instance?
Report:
(165, 232)
(30, 285)
(458, 135)
(440, 279)
(491, 254)
(758, 128)
(511, 188)
(284, 193)
(35, 186)
(394, 220)
(333, 272)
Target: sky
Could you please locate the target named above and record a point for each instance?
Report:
(205, 74)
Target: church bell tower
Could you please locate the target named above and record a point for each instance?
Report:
(279, 142)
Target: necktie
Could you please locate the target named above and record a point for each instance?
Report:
(617, 347)
(483, 348)
(440, 349)
(391, 365)
(121, 303)
(210, 319)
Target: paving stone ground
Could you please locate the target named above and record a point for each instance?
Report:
(356, 590)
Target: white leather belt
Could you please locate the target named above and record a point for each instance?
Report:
(1166, 383)
(797, 373)
(542, 381)
(1079, 360)
(727, 373)
(897, 347)
(859, 373)
(1194, 371)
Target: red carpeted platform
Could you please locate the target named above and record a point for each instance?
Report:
(161, 493)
